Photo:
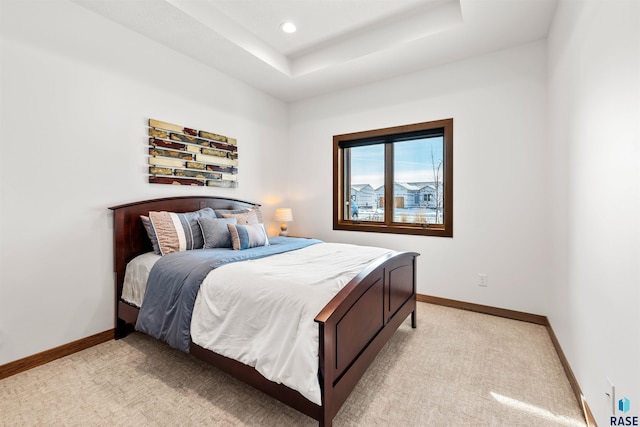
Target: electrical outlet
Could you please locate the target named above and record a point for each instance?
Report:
(611, 395)
(482, 280)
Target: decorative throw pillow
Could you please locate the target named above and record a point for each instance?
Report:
(221, 212)
(177, 232)
(248, 236)
(215, 231)
(152, 234)
(244, 218)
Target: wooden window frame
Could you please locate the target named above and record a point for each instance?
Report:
(388, 136)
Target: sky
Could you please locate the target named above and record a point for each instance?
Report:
(412, 162)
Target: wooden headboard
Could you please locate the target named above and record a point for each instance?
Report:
(129, 236)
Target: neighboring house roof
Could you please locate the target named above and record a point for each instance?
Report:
(409, 187)
(422, 185)
(413, 186)
(360, 187)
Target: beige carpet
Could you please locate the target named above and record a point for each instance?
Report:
(457, 368)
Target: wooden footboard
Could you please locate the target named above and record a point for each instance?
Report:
(353, 327)
(358, 322)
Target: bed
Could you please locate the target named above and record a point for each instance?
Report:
(352, 327)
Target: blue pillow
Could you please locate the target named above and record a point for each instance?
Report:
(248, 236)
(215, 232)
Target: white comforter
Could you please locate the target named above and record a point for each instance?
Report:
(261, 312)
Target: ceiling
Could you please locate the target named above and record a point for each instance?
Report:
(339, 43)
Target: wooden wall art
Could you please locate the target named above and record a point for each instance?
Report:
(185, 156)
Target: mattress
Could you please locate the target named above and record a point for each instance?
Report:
(135, 277)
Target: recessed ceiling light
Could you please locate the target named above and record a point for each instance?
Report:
(288, 27)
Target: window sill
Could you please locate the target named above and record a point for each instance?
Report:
(417, 230)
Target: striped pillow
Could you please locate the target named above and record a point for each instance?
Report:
(179, 231)
(152, 234)
(248, 236)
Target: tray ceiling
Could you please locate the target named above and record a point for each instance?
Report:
(339, 43)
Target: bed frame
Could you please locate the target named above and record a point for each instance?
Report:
(353, 326)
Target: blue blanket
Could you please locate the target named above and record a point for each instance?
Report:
(174, 281)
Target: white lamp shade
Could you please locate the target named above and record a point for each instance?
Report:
(284, 214)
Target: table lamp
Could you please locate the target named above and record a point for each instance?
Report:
(284, 215)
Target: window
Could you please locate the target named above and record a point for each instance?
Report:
(395, 180)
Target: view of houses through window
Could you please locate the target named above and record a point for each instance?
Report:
(417, 181)
(395, 180)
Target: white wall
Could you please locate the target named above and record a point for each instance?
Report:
(498, 105)
(77, 91)
(594, 100)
